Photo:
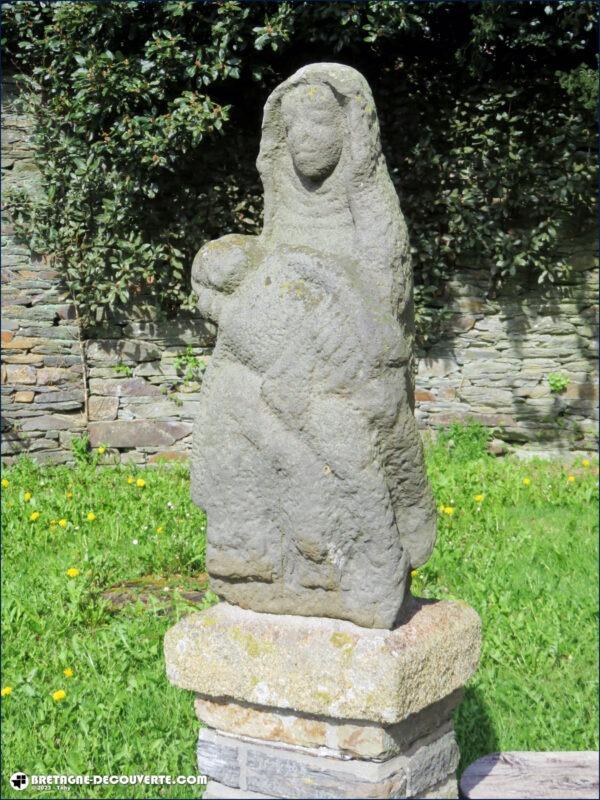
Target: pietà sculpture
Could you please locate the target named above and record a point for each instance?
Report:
(306, 455)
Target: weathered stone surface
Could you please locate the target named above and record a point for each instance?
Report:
(102, 372)
(422, 396)
(123, 387)
(215, 790)
(430, 763)
(180, 331)
(586, 391)
(284, 771)
(439, 367)
(306, 439)
(445, 790)
(23, 397)
(147, 368)
(326, 667)
(103, 408)
(16, 374)
(56, 422)
(56, 396)
(54, 457)
(289, 773)
(55, 375)
(23, 358)
(137, 433)
(68, 333)
(162, 409)
(114, 351)
(273, 726)
(342, 738)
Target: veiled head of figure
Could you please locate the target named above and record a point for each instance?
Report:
(314, 130)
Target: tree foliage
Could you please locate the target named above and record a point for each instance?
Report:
(148, 122)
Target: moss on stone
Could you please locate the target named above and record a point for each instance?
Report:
(340, 639)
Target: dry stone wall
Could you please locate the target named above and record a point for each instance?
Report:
(141, 402)
(125, 384)
(42, 386)
(492, 363)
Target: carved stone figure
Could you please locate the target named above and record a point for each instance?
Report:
(306, 455)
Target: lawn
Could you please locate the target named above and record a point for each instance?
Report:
(518, 541)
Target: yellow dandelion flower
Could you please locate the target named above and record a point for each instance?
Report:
(63, 523)
(34, 515)
(5, 483)
(526, 481)
(90, 516)
(5, 691)
(72, 572)
(160, 529)
(68, 672)
(140, 482)
(570, 478)
(101, 450)
(27, 496)
(449, 510)
(130, 479)
(59, 695)
(585, 463)
(479, 498)
(69, 495)
(414, 573)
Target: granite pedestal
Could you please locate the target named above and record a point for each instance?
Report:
(310, 707)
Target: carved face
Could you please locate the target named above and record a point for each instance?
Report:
(313, 125)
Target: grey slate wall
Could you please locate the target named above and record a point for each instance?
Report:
(140, 402)
(491, 364)
(42, 387)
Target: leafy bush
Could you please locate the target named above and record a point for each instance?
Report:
(148, 118)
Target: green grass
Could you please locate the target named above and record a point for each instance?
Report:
(120, 715)
(525, 557)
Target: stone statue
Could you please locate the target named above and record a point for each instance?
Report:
(306, 455)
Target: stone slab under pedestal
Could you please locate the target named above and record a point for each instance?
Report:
(340, 738)
(446, 790)
(295, 772)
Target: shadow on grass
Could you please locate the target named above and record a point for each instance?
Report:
(475, 732)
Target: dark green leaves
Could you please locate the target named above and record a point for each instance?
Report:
(148, 119)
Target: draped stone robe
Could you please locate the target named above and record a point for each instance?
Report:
(306, 456)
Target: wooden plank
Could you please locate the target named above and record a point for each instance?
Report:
(532, 775)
